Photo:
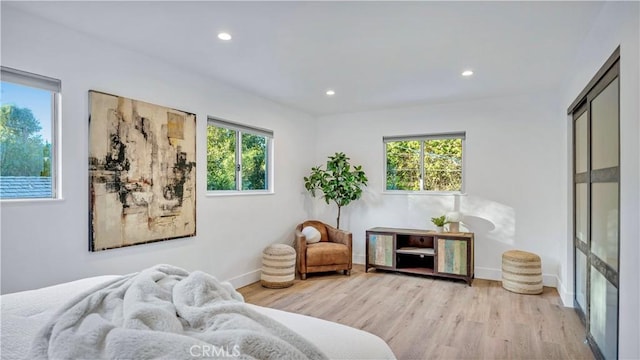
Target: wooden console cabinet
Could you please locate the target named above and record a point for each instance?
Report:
(421, 252)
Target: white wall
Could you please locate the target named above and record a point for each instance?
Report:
(514, 192)
(46, 242)
(617, 24)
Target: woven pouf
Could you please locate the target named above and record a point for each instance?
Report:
(521, 272)
(278, 266)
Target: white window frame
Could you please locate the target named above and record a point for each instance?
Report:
(42, 82)
(424, 137)
(244, 129)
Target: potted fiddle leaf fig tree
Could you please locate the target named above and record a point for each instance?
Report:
(338, 182)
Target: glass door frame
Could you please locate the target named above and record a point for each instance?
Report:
(577, 243)
(608, 73)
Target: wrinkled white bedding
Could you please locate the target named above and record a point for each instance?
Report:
(165, 312)
(25, 313)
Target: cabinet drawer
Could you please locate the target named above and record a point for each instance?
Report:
(420, 241)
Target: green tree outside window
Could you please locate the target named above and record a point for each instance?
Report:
(23, 152)
(236, 160)
(426, 164)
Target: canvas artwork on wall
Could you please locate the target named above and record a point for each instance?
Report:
(142, 172)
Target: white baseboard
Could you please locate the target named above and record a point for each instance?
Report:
(488, 273)
(565, 296)
(253, 276)
(245, 279)
(496, 274)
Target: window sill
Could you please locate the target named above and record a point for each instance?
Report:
(422, 193)
(30, 201)
(237, 193)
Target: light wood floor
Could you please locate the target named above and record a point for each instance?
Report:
(425, 318)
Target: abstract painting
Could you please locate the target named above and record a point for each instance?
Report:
(142, 172)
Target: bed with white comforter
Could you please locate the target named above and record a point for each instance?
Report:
(67, 321)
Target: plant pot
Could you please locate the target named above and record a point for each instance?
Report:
(440, 229)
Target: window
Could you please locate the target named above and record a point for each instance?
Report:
(424, 162)
(238, 157)
(29, 110)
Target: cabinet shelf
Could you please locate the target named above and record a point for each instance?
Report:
(416, 251)
(418, 270)
(447, 255)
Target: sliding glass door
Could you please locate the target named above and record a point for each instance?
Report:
(596, 206)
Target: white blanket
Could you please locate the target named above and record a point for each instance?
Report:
(166, 312)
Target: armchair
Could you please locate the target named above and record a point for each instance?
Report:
(332, 253)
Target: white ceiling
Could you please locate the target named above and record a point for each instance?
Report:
(374, 54)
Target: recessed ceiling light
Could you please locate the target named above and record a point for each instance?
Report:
(467, 73)
(224, 36)
(330, 92)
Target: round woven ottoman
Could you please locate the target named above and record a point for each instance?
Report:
(521, 272)
(278, 266)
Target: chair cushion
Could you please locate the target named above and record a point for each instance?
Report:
(311, 234)
(327, 253)
(319, 226)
